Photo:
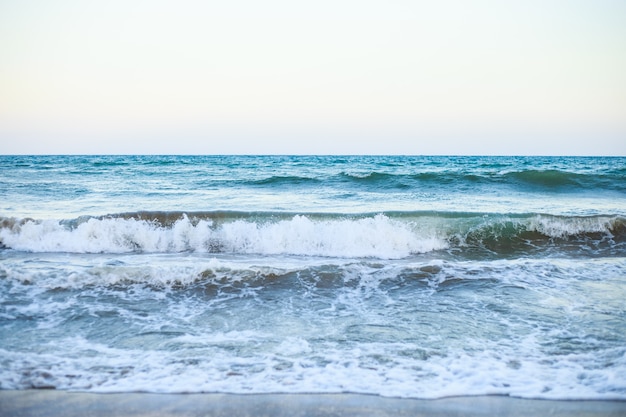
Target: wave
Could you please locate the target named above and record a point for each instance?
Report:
(529, 179)
(390, 235)
(377, 236)
(225, 277)
(553, 179)
(547, 178)
(286, 180)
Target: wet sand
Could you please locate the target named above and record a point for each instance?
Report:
(52, 403)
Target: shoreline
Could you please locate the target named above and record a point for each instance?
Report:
(52, 403)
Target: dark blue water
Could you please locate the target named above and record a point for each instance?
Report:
(403, 276)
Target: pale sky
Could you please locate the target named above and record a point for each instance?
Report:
(318, 77)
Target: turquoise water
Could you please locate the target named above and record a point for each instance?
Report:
(417, 277)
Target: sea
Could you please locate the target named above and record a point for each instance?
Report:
(399, 276)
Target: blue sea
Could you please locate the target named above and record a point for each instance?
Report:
(401, 276)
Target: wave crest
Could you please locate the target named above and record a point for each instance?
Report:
(377, 236)
(385, 236)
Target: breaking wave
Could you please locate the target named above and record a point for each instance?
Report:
(385, 236)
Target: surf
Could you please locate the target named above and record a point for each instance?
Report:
(391, 235)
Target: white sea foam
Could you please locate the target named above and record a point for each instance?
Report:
(162, 272)
(561, 227)
(452, 339)
(294, 367)
(109, 235)
(377, 236)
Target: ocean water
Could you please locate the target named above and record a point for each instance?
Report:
(419, 277)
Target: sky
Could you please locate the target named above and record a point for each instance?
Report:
(527, 77)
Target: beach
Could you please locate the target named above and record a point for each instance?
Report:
(52, 403)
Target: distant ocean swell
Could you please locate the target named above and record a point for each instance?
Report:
(385, 236)
(552, 179)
